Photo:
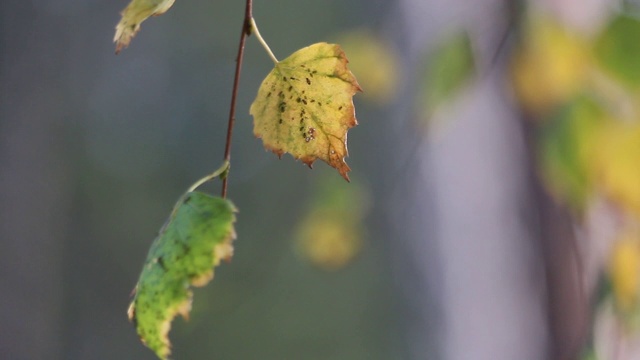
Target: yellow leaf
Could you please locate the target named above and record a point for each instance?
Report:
(550, 67)
(617, 164)
(305, 106)
(133, 15)
(624, 270)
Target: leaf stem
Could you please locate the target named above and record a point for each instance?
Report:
(221, 171)
(246, 31)
(255, 30)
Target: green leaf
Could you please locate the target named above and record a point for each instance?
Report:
(305, 106)
(133, 15)
(618, 50)
(566, 145)
(589, 354)
(447, 70)
(198, 234)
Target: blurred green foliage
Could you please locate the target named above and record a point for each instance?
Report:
(618, 50)
(565, 145)
(446, 70)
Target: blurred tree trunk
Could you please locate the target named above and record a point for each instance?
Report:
(491, 263)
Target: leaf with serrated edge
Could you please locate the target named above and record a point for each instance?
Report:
(198, 234)
(305, 106)
(133, 15)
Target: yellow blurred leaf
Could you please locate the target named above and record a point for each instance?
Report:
(616, 165)
(374, 62)
(330, 235)
(624, 270)
(328, 242)
(550, 66)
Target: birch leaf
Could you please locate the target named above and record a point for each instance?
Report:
(133, 15)
(305, 106)
(196, 237)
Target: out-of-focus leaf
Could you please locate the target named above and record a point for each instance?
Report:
(550, 67)
(589, 355)
(603, 290)
(331, 233)
(305, 106)
(133, 15)
(616, 164)
(567, 143)
(446, 70)
(328, 242)
(624, 269)
(618, 50)
(374, 62)
(196, 237)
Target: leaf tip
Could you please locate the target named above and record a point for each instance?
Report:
(131, 314)
(124, 33)
(133, 15)
(343, 169)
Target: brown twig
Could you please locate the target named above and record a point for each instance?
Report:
(246, 31)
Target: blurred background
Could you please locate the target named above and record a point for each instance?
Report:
(493, 213)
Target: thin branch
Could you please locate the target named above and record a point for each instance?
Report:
(246, 31)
